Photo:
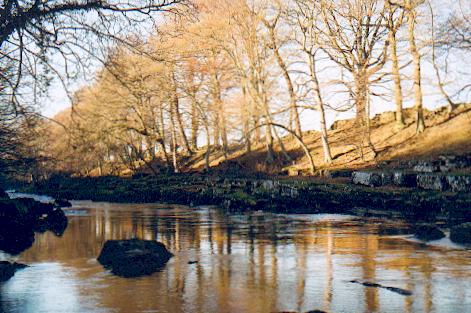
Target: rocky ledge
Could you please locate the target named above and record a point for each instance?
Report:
(448, 173)
(134, 258)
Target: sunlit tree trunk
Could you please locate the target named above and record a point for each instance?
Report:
(174, 144)
(289, 84)
(397, 79)
(363, 109)
(178, 117)
(320, 109)
(162, 132)
(420, 124)
(194, 126)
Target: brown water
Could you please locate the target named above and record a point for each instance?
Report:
(255, 262)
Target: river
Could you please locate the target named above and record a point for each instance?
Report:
(251, 262)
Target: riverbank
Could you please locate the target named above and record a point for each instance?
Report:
(283, 195)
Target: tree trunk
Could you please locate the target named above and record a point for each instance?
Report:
(246, 121)
(181, 128)
(269, 144)
(225, 143)
(216, 131)
(420, 125)
(294, 114)
(208, 148)
(162, 135)
(397, 80)
(174, 140)
(194, 125)
(363, 111)
(320, 109)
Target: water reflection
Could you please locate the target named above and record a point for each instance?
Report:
(257, 262)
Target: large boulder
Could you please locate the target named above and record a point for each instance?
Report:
(134, 258)
(7, 270)
(461, 233)
(428, 232)
(371, 179)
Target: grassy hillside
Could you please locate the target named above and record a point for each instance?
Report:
(445, 134)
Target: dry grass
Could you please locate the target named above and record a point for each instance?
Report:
(445, 134)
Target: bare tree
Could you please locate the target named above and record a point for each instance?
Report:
(395, 21)
(306, 17)
(275, 45)
(352, 34)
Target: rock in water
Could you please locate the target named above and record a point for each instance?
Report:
(461, 233)
(134, 258)
(7, 270)
(428, 232)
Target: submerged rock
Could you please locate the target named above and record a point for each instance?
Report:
(428, 232)
(461, 233)
(397, 290)
(134, 258)
(7, 269)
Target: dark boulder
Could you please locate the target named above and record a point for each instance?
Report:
(57, 222)
(3, 194)
(15, 237)
(16, 227)
(62, 203)
(7, 269)
(428, 232)
(461, 233)
(20, 218)
(134, 258)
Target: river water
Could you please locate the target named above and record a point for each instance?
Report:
(253, 262)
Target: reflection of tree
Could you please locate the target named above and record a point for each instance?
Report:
(368, 265)
(329, 269)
